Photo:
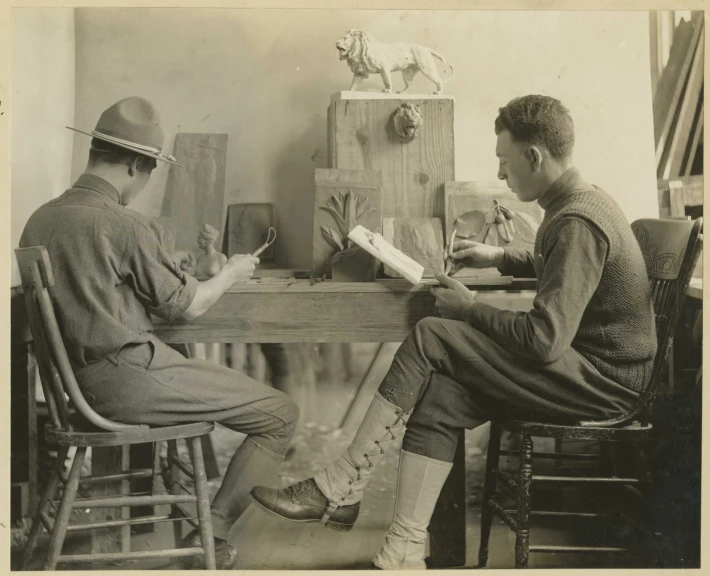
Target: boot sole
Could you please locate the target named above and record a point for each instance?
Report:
(330, 525)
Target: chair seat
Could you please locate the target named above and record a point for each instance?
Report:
(630, 433)
(83, 434)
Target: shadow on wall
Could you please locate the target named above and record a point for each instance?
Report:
(294, 192)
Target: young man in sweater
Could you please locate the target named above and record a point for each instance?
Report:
(584, 351)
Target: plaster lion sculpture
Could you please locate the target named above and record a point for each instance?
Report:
(366, 56)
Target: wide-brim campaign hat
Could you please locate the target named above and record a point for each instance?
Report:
(132, 123)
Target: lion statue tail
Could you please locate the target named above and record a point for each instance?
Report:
(440, 57)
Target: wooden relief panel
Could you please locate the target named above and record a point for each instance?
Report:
(422, 239)
(343, 199)
(488, 212)
(194, 194)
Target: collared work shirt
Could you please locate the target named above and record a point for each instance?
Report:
(110, 269)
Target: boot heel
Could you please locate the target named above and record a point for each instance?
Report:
(337, 527)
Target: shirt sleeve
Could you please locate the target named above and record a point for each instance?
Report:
(163, 288)
(573, 262)
(517, 262)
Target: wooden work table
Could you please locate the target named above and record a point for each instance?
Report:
(295, 310)
(298, 310)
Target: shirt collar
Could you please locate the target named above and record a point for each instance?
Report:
(97, 184)
(561, 188)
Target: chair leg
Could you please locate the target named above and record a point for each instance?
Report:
(522, 536)
(203, 502)
(173, 488)
(49, 493)
(65, 507)
(489, 490)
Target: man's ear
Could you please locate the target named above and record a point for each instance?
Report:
(534, 157)
(135, 164)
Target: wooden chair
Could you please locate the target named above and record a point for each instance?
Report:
(671, 249)
(73, 423)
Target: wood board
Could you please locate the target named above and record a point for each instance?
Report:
(679, 137)
(360, 137)
(670, 86)
(195, 194)
(422, 239)
(247, 228)
(378, 247)
(329, 183)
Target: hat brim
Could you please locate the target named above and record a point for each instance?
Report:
(128, 147)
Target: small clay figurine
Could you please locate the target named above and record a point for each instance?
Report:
(209, 261)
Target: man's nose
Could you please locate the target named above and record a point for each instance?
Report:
(501, 174)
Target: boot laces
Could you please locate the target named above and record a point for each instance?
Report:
(303, 487)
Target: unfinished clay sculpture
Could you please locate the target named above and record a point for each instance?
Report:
(366, 56)
(209, 261)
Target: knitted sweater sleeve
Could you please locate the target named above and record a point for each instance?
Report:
(573, 261)
(517, 262)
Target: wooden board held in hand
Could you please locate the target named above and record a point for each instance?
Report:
(195, 194)
(378, 247)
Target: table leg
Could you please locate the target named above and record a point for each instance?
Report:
(447, 531)
(346, 421)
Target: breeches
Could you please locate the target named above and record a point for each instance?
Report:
(454, 377)
(150, 383)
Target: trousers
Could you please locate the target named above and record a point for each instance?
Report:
(151, 383)
(452, 376)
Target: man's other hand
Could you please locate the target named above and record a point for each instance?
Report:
(241, 267)
(454, 300)
(471, 254)
(185, 260)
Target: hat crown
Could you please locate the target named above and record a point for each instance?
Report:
(134, 120)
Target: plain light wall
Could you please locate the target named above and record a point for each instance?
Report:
(42, 104)
(265, 78)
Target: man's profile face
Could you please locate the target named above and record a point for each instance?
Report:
(515, 166)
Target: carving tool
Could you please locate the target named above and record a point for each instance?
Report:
(265, 245)
(448, 256)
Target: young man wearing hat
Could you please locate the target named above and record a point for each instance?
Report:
(111, 274)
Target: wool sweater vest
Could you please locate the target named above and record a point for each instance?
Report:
(617, 332)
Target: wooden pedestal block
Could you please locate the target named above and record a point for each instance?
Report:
(361, 137)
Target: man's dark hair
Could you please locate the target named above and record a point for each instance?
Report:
(538, 120)
(102, 151)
